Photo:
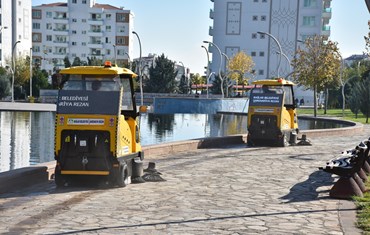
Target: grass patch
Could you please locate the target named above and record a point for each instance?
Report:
(348, 115)
(363, 211)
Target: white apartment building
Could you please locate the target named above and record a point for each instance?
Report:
(236, 24)
(80, 28)
(15, 29)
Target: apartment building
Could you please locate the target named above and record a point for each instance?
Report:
(15, 29)
(241, 25)
(80, 28)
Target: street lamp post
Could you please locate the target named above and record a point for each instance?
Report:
(207, 76)
(129, 60)
(219, 68)
(13, 69)
(115, 54)
(227, 78)
(185, 75)
(140, 78)
(287, 59)
(280, 49)
(31, 72)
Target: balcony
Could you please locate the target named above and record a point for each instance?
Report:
(96, 33)
(96, 45)
(96, 21)
(211, 13)
(325, 31)
(326, 13)
(210, 33)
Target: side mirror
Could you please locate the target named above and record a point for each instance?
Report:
(143, 109)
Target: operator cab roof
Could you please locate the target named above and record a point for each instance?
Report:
(107, 69)
(272, 82)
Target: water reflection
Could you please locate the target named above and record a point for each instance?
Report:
(27, 138)
(160, 128)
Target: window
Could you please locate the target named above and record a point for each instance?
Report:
(107, 51)
(255, 18)
(122, 40)
(36, 37)
(49, 38)
(83, 43)
(254, 35)
(83, 32)
(35, 25)
(120, 52)
(310, 3)
(107, 40)
(74, 1)
(308, 20)
(95, 40)
(83, 20)
(74, 43)
(74, 32)
(264, 0)
(95, 51)
(262, 36)
(60, 50)
(255, 0)
(74, 20)
(36, 49)
(108, 16)
(262, 53)
(83, 1)
(60, 27)
(121, 29)
(60, 38)
(253, 53)
(95, 16)
(122, 17)
(260, 72)
(95, 28)
(36, 14)
(108, 28)
(49, 14)
(60, 15)
(263, 18)
(48, 26)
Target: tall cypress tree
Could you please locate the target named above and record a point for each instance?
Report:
(162, 76)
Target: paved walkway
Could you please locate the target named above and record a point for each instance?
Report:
(234, 190)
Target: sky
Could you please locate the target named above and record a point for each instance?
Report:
(177, 28)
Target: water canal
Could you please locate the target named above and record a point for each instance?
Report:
(27, 138)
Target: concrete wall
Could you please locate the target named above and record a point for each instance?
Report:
(199, 105)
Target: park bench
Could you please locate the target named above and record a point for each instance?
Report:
(352, 167)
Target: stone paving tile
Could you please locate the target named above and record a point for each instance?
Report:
(234, 190)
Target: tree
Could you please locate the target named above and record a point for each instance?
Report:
(196, 79)
(93, 61)
(4, 83)
(216, 85)
(67, 63)
(355, 99)
(39, 81)
(183, 86)
(239, 65)
(162, 76)
(367, 40)
(317, 65)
